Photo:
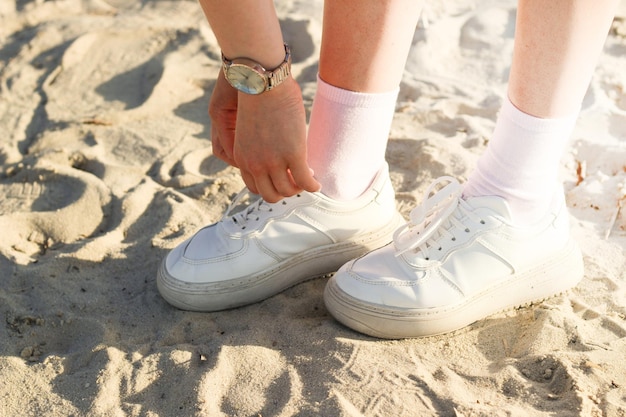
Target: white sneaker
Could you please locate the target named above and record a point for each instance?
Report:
(266, 248)
(455, 262)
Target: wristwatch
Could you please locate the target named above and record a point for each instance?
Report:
(250, 77)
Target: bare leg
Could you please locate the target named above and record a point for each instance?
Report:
(557, 44)
(365, 43)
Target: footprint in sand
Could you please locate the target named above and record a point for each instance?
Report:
(201, 163)
(549, 377)
(250, 380)
(98, 74)
(45, 203)
(188, 167)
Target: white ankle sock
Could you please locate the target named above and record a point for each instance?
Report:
(521, 162)
(347, 137)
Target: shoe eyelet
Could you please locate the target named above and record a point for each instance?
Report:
(257, 219)
(284, 203)
(439, 249)
(454, 239)
(482, 222)
(298, 195)
(467, 230)
(243, 227)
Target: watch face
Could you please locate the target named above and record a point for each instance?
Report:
(246, 79)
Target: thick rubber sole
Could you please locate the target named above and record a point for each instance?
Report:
(314, 263)
(554, 276)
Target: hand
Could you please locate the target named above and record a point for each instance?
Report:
(264, 136)
(223, 114)
(270, 143)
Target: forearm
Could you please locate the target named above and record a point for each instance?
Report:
(246, 28)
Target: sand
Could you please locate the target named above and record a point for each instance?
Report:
(106, 165)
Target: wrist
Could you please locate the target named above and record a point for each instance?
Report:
(250, 77)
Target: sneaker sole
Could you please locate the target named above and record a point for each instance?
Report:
(314, 263)
(560, 273)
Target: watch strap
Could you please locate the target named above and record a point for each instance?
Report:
(280, 74)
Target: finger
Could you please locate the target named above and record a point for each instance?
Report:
(248, 179)
(303, 178)
(266, 188)
(218, 149)
(284, 183)
(219, 152)
(226, 138)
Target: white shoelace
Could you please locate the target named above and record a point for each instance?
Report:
(254, 211)
(437, 217)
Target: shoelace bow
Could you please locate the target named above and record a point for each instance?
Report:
(253, 211)
(434, 219)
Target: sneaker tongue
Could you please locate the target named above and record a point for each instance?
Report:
(492, 203)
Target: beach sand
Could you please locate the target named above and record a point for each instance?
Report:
(105, 165)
